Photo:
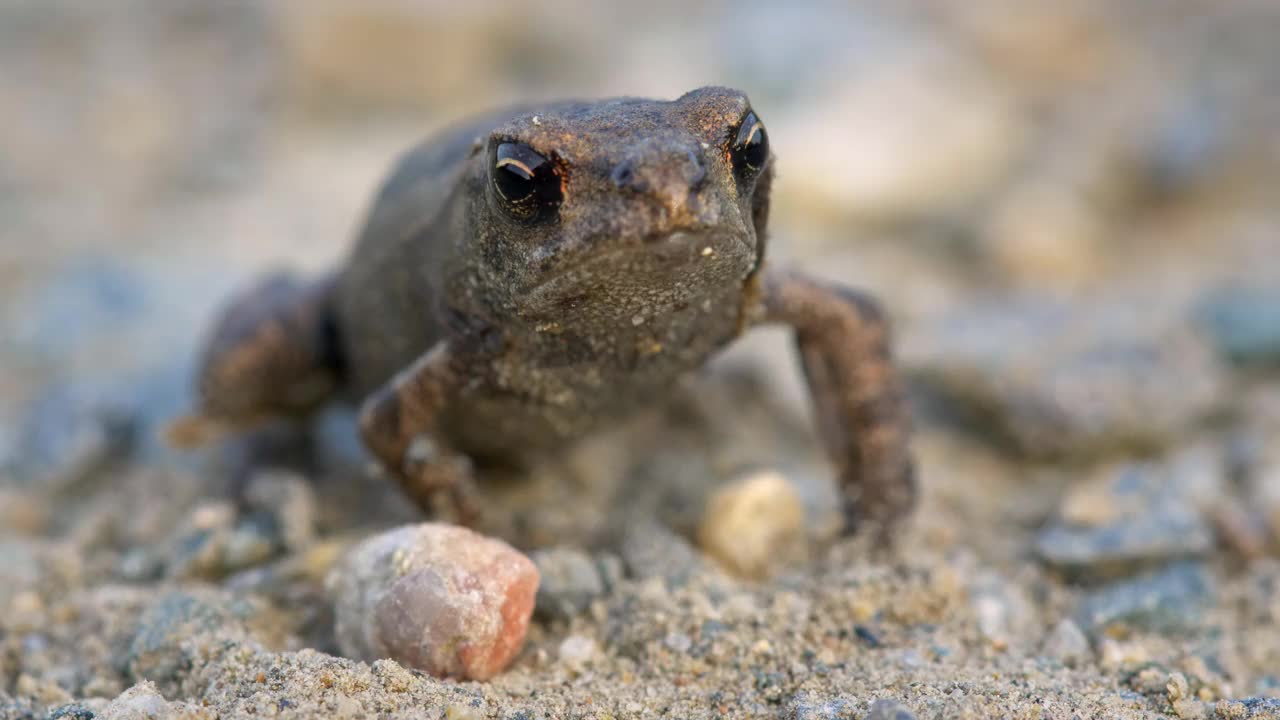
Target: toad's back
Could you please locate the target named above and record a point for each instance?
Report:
(388, 305)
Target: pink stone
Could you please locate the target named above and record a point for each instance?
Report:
(435, 597)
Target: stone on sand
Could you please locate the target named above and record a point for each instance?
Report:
(435, 597)
(754, 525)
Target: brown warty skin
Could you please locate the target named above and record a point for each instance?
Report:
(533, 274)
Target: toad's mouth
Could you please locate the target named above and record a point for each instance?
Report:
(639, 278)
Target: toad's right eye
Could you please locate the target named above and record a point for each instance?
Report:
(529, 185)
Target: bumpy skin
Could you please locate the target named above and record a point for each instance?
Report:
(473, 336)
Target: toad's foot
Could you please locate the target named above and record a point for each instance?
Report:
(400, 424)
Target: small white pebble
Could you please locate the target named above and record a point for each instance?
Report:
(537, 120)
(679, 642)
(142, 700)
(637, 320)
(707, 251)
(577, 651)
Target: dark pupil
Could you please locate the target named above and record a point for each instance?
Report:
(525, 179)
(751, 148)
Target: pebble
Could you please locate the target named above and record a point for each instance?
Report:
(678, 642)
(216, 539)
(577, 651)
(754, 526)
(70, 711)
(1251, 708)
(572, 580)
(196, 547)
(652, 550)
(1168, 600)
(810, 706)
(1166, 532)
(289, 501)
(167, 640)
(1243, 323)
(1194, 477)
(307, 567)
(71, 432)
(439, 598)
(140, 701)
(1050, 380)
(1186, 143)
(1067, 644)
(1116, 655)
(1136, 515)
(889, 710)
(1001, 608)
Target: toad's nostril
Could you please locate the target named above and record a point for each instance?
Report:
(624, 176)
(659, 166)
(695, 171)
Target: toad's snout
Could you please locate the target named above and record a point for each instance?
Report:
(670, 171)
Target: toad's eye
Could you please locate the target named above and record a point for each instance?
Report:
(750, 148)
(528, 183)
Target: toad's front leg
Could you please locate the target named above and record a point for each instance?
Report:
(401, 424)
(843, 339)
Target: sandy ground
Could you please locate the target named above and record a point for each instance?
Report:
(1071, 214)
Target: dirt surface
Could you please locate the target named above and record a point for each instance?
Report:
(1071, 212)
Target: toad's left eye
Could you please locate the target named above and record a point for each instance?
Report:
(528, 184)
(750, 148)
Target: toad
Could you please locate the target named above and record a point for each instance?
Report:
(529, 276)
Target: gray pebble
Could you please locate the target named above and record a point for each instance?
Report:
(1168, 600)
(1186, 143)
(253, 541)
(195, 549)
(1167, 532)
(1243, 323)
(140, 564)
(70, 432)
(1251, 708)
(678, 642)
(810, 706)
(1051, 380)
(288, 503)
(140, 701)
(71, 711)
(215, 540)
(889, 710)
(1141, 515)
(1001, 608)
(1067, 644)
(85, 300)
(166, 642)
(650, 549)
(155, 651)
(571, 580)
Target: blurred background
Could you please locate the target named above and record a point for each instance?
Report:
(1070, 208)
